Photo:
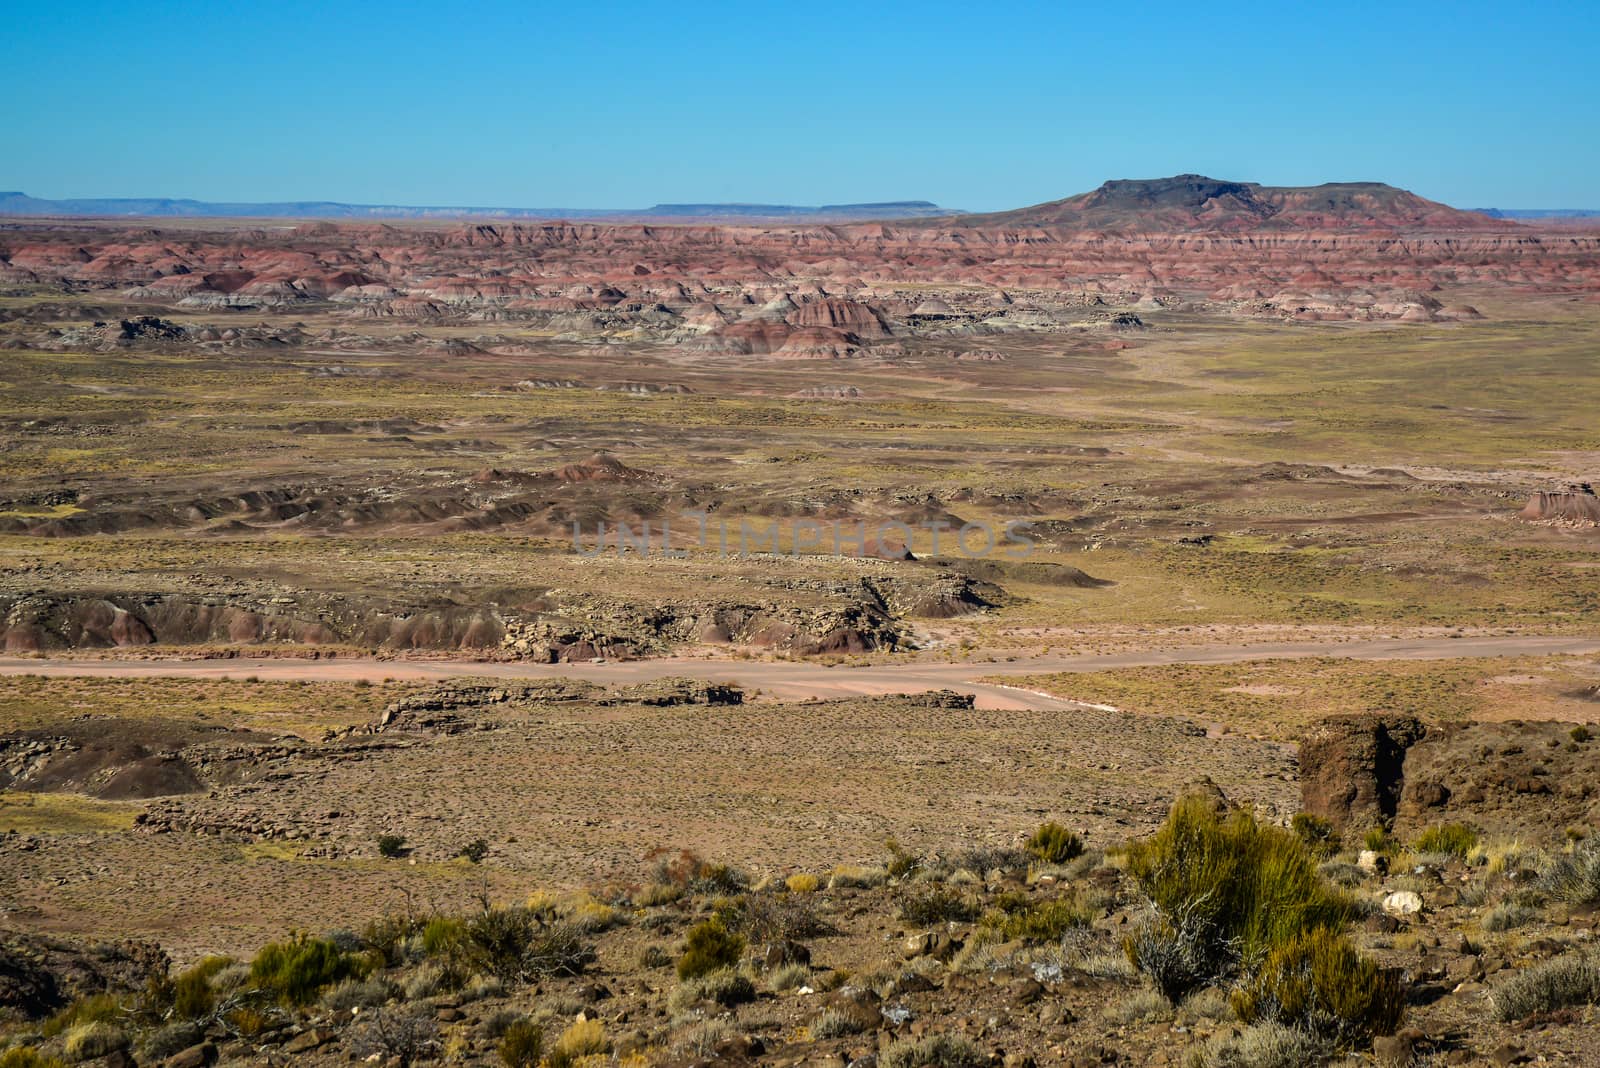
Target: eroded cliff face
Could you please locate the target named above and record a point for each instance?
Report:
(851, 282)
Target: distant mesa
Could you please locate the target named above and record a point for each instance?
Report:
(1194, 202)
(18, 203)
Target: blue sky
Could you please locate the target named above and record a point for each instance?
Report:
(627, 104)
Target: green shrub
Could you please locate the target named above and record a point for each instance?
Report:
(1054, 844)
(937, 905)
(522, 1044)
(296, 970)
(934, 1051)
(901, 861)
(1580, 734)
(1318, 982)
(443, 936)
(391, 845)
(192, 996)
(1453, 839)
(474, 850)
(1558, 983)
(28, 1057)
(709, 946)
(1379, 840)
(1316, 834)
(585, 1038)
(91, 1009)
(1035, 921)
(1228, 889)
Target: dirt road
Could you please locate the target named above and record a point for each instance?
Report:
(788, 680)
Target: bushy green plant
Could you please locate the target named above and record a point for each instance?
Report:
(709, 946)
(192, 996)
(1558, 983)
(1453, 839)
(1054, 844)
(443, 936)
(391, 845)
(94, 1007)
(522, 1044)
(584, 1038)
(901, 862)
(1318, 982)
(1034, 921)
(474, 850)
(1580, 734)
(297, 969)
(1230, 887)
(28, 1057)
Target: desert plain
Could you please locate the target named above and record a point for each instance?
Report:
(307, 628)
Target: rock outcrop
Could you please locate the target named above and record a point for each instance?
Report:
(1575, 504)
(1503, 778)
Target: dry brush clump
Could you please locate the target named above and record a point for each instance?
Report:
(1562, 982)
(934, 1051)
(1575, 877)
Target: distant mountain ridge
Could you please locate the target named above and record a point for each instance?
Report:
(17, 203)
(1540, 213)
(1194, 202)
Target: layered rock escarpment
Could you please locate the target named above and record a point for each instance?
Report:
(1351, 252)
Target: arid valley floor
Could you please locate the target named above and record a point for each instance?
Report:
(296, 637)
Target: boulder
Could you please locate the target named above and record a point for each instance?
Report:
(1403, 904)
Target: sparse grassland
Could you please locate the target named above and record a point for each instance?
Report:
(1279, 698)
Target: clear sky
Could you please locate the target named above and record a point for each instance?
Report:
(625, 104)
